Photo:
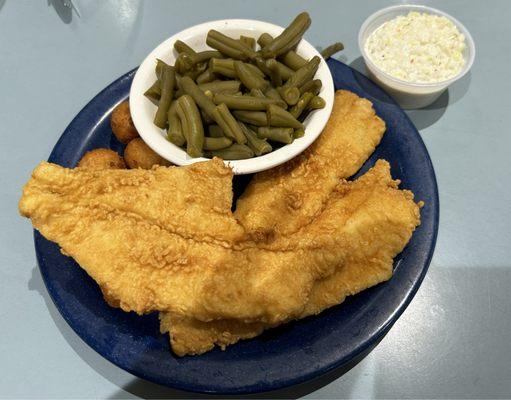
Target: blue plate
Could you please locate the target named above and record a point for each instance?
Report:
(285, 356)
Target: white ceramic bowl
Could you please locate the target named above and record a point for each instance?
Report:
(407, 94)
(143, 110)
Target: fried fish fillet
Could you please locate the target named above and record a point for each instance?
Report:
(146, 238)
(281, 201)
(382, 230)
(173, 199)
(189, 336)
(285, 198)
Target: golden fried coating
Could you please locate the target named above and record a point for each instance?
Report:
(282, 199)
(122, 124)
(164, 240)
(101, 159)
(139, 155)
(382, 231)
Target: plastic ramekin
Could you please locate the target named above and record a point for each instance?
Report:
(411, 95)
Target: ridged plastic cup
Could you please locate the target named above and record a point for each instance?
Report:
(411, 95)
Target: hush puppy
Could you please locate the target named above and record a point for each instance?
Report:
(139, 155)
(102, 159)
(122, 124)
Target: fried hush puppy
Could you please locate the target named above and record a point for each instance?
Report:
(139, 155)
(101, 159)
(122, 124)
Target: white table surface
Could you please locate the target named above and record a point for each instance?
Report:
(452, 341)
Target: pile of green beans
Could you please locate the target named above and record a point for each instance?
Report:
(234, 101)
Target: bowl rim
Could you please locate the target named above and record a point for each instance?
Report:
(468, 38)
(240, 167)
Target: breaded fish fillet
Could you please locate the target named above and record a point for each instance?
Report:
(281, 201)
(145, 236)
(382, 230)
(285, 198)
(186, 201)
(189, 336)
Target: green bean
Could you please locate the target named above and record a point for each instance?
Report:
(261, 64)
(195, 139)
(229, 46)
(257, 93)
(298, 133)
(206, 118)
(223, 62)
(273, 93)
(289, 38)
(223, 67)
(281, 135)
(209, 94)
(255, 70)
(215, 131)
(228, 65)
(248, 78)
(277, 99)
(233, 152)
(313, 86)
(249, 103)
(290, 59)
(302, 104)
(206, 55)
(257, 118)
(207, 76)
(250, 42)
(160, 65)
(219, 143)
(229, 125)
(185, 124)
(190, 87)
(304, 74)
(182, 47)
(184, 62)
(167, 91)
(175, 132)
(264, 39)
(154, 92)
(276, 78)
(221, 86)
(293, 60)
(226, 50)
(202, 56)
(284, 70)
(178, 66)
(317, 103)
(331, 50)
(196, 70)
(279, 117)
(226, 72)
(253, 128)
(289, 94)
(236, 44)
(258, 146)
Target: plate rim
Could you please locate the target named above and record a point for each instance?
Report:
(274, 384)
